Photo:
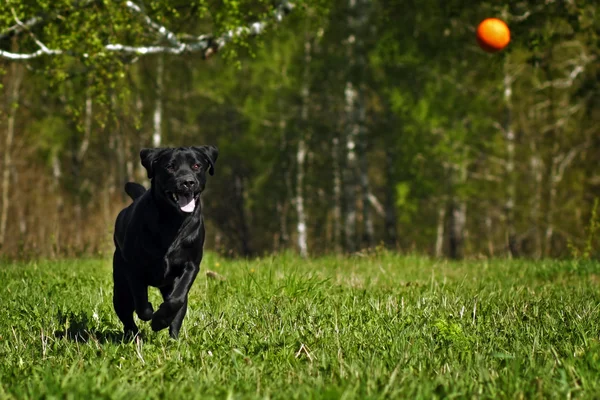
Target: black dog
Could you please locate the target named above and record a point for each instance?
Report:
(159, 238)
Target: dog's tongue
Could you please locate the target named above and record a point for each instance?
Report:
(186, 203)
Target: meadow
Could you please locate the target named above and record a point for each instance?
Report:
(374, 326)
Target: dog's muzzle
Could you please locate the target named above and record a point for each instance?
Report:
(186, 196)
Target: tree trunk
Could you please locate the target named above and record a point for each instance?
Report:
(301, 152)
(140, 142)
(301, 226)
(129, 169)
(511, 241)
(120, 173)
(549, 233)
(490, 235)
(551, 161)
(458, 220)
(337, 194)
(368, 230)
(283, 205)
(355, 107)
(80, 153)
(441, 221)
(390, 238)
(21, 214)
(158, 105)
(350, 170)
(56, 189)
(12, 106)
(557, 172)
(240, 197)
(536, 206)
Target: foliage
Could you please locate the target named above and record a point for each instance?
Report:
(434, 133)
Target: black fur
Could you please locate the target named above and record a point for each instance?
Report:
(156, 242)
(134, 190)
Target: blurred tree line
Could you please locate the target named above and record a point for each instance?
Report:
(342, 124)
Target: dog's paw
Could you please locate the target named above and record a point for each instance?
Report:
(158, 324)
(147, 313)
(162, 318)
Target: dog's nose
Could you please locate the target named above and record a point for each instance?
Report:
(189, 184)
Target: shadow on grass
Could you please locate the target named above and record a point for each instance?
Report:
(79, 328)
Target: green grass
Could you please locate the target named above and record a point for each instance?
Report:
(381, 326)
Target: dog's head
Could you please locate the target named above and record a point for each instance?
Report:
(178, 175)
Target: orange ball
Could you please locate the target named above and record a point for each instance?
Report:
(493, 35)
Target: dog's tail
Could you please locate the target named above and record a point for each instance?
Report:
(134, 190)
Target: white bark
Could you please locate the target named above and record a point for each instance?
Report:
(439, 239)
(80, 157)
(559, 165)
(140, 173)
(56, 175)
(301, 153)
(511, 186)
(337, 193)
(158, 105)
(489, 226)
(13, 103)
(301, 226)
(207, 44)
(457, 229)
(355, 121)
(129, 171)
(537, 169)
(549, 231)
(87, 126)
(458, 219)
(350, 170)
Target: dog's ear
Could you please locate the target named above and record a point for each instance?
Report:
(210, 153)
(148, 158)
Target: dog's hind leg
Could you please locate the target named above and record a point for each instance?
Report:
(122, 297)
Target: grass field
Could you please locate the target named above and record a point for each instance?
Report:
(380, 326)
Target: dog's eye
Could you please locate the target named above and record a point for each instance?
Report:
(196, 167)
(170, 167)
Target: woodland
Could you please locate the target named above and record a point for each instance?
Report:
(342, 126)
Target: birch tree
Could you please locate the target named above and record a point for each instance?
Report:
(12, 100)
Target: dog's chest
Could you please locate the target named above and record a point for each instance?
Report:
(171, 256)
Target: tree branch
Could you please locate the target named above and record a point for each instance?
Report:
(564, 83)
(568, 81)
(207, 44)
(38, 19)
(20, 27)
(376, 204)
(528, 13)
(564, 160)
(167, 34)
(24, 27)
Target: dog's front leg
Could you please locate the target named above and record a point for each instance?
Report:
(173, 308)
(175, 325)
(143, 308)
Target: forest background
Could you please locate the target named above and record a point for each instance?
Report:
(342, 125)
